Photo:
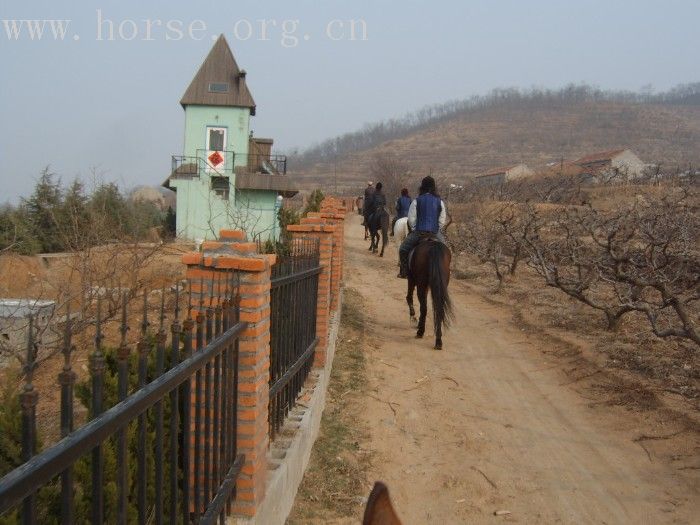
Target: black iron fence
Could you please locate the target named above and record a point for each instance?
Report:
(166, 448)
(293, 325)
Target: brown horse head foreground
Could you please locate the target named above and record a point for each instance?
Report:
(379, 510)
(430, 269)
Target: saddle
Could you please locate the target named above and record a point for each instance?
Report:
(424, 237)
(428, 237)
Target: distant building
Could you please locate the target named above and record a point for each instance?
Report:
(14, 322)
(505, 174)
(620, 164)
(225, 177)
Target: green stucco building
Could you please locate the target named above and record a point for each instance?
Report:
(225, 177)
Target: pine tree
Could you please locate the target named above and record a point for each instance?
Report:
(15, 232)
(74, 218)
(169, 224)
(108, 211)
(42, 211)
(314, 202)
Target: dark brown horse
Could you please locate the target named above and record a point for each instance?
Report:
(430, 268)
(379, 222)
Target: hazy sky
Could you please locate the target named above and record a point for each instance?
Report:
(89, 100)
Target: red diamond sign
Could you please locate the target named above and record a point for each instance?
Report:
(215, 158)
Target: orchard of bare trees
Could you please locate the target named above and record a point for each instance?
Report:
(622, 250)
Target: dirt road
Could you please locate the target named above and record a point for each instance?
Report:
(489, 424)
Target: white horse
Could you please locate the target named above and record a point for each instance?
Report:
(401, 229)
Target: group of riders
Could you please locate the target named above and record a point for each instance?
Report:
(427, 215)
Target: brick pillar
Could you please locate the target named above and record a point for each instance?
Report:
(332, 214)
(324, 233)
(231, 253)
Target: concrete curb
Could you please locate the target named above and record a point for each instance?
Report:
(289, 454)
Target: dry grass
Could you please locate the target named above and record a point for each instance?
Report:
(52, 277)
(333, 485)
(645, 366)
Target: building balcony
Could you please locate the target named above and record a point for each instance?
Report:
(252, 172)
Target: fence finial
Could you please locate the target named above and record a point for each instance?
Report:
(144, 321)
(123, 328)
(30, 362)
(162, 309)
(177, 300)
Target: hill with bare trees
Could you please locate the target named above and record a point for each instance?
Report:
(460, 139)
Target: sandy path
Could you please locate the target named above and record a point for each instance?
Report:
(494, 427)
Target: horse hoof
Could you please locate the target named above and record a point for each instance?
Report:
(381, 255)
(438, 346)
(419, 335)
(414, 320)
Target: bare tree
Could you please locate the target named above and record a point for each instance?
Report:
(392, 172)
(640, 258)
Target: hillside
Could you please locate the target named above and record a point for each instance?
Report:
(468, 142)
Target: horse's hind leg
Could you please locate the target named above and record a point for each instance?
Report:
(409, 300)
(438, 336)
(423, 301)
(385, 240)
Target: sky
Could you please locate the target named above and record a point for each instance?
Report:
(104, 97)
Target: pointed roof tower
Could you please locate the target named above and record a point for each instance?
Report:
(219, 81)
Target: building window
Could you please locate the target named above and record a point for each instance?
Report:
(221, 187)
(218, 87)
(216, 139)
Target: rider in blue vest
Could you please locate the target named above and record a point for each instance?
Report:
(426, 216)
(403, 203)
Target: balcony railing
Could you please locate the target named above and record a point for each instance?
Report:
(267, 164)
(215, 163)
(224, 163)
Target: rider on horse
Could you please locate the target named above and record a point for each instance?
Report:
(368, 203)
(403, 203)
(376, 202)
(379, 198)
(426, 216)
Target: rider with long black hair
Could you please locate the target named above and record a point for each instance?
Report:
(427, 215)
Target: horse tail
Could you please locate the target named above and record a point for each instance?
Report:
(385, 222)
(439, 278)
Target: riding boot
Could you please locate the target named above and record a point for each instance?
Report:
(403, 266)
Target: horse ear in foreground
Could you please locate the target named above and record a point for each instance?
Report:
(379, 510)
(430, 270)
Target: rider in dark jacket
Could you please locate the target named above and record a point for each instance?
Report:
(403, 203)
(426, 216)
(379, 199)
